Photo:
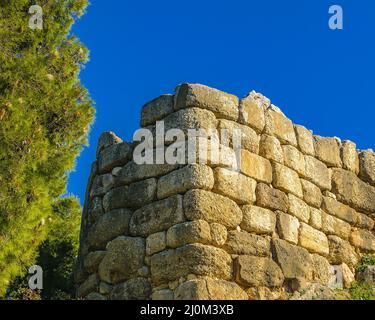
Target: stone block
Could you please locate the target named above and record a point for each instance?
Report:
(313, 240)
(305, 140)
(106, 140)
(335, 226)
(299, 208)
(189, 232)
(157, 109)
(258, 220)
(134, 289)
(235, 186)
(92, 261)
(322, 270)
(270, 148)
(125, 255)
(258, 272)
(271, 198)
(115, 155)
(195, 259)
(287, 180)
(287, 227)
(367, 166)
(162, 295)
(252, 109)
(219, 234)
(316, 218)
(256, 167)
(349, 156)
(243, 243)
(365, 222)
(192, 176)
(222, 104)
(363, 239)
(280, 126)
(328, 151)
(340, 210)
(311, 194)
(90, 285)
(318, 173)
(214, 208)
(340, 251)
(294, 159)
(156, 242)
(157, 216)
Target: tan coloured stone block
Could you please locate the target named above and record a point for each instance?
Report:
(214, 208)
(243, 243)
(311, 194)
(189, 232)
(335, 226)
(157, 109)
(252, 110)
(219, 234)
(341, 251)
(365, 222)
(367, 166)
(313, 240)
(235, 186)
(256, 167)
(280, 126)
(222, 104)
(271, 198)
(294, 159)
(328, 151)
(155, 243)
(363, 239)
(323, 271)
(258, 220)
(340, 210)
(349, 156)
(287, 180)
(305, 140)
(264, 293)
(287, 227)
(192, 176)
(318, 173)
(270, 148)
(316, 218)
(298, 208)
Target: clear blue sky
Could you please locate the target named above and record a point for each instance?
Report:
(320, 78)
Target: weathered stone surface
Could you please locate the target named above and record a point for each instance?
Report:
(249, 138)
(256, 167)
(95, 296)
(155, 243)
(192, 176)
(105, 288)
(157, 216)
(287, 227)
(318, 173)
(367, 166)
(252, 110)
(134, 289)
(205, 205)
(108, 227)
(90, 285)
(125, 255)
(367, 275)
(162, 295)
(123, 197)
(243, 243)
(116, 155)
(317, 291)
(322, 270)
(222, 104)
(219, 234)
(349, 156)
(341, 251)
(106, 140)
(363, 239)
(189, 232)
(287, 180)
(313, 240)
(305, 140)
(101, 185)
(258, 220)
(280, 126)
(347, 276)
(294, 261)
(298, 208)
(92, 261)
(157, 109)
(270, 148)
(334, 226)
(294, 159)
(264, 293)
(353, 191)
(365, 222)
(95, 210)
(340, 210)
(316, 218)
(271, 198)
(133, 172)
(235, 186)
(195, 259)
(258, 272)
(311, 194)
(328, 151)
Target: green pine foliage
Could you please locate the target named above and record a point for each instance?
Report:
(45, 114)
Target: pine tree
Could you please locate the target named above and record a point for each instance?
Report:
(45, 114)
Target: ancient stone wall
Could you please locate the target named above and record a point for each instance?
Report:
(300, 209)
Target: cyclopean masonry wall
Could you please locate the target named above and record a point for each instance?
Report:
(301, 209)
